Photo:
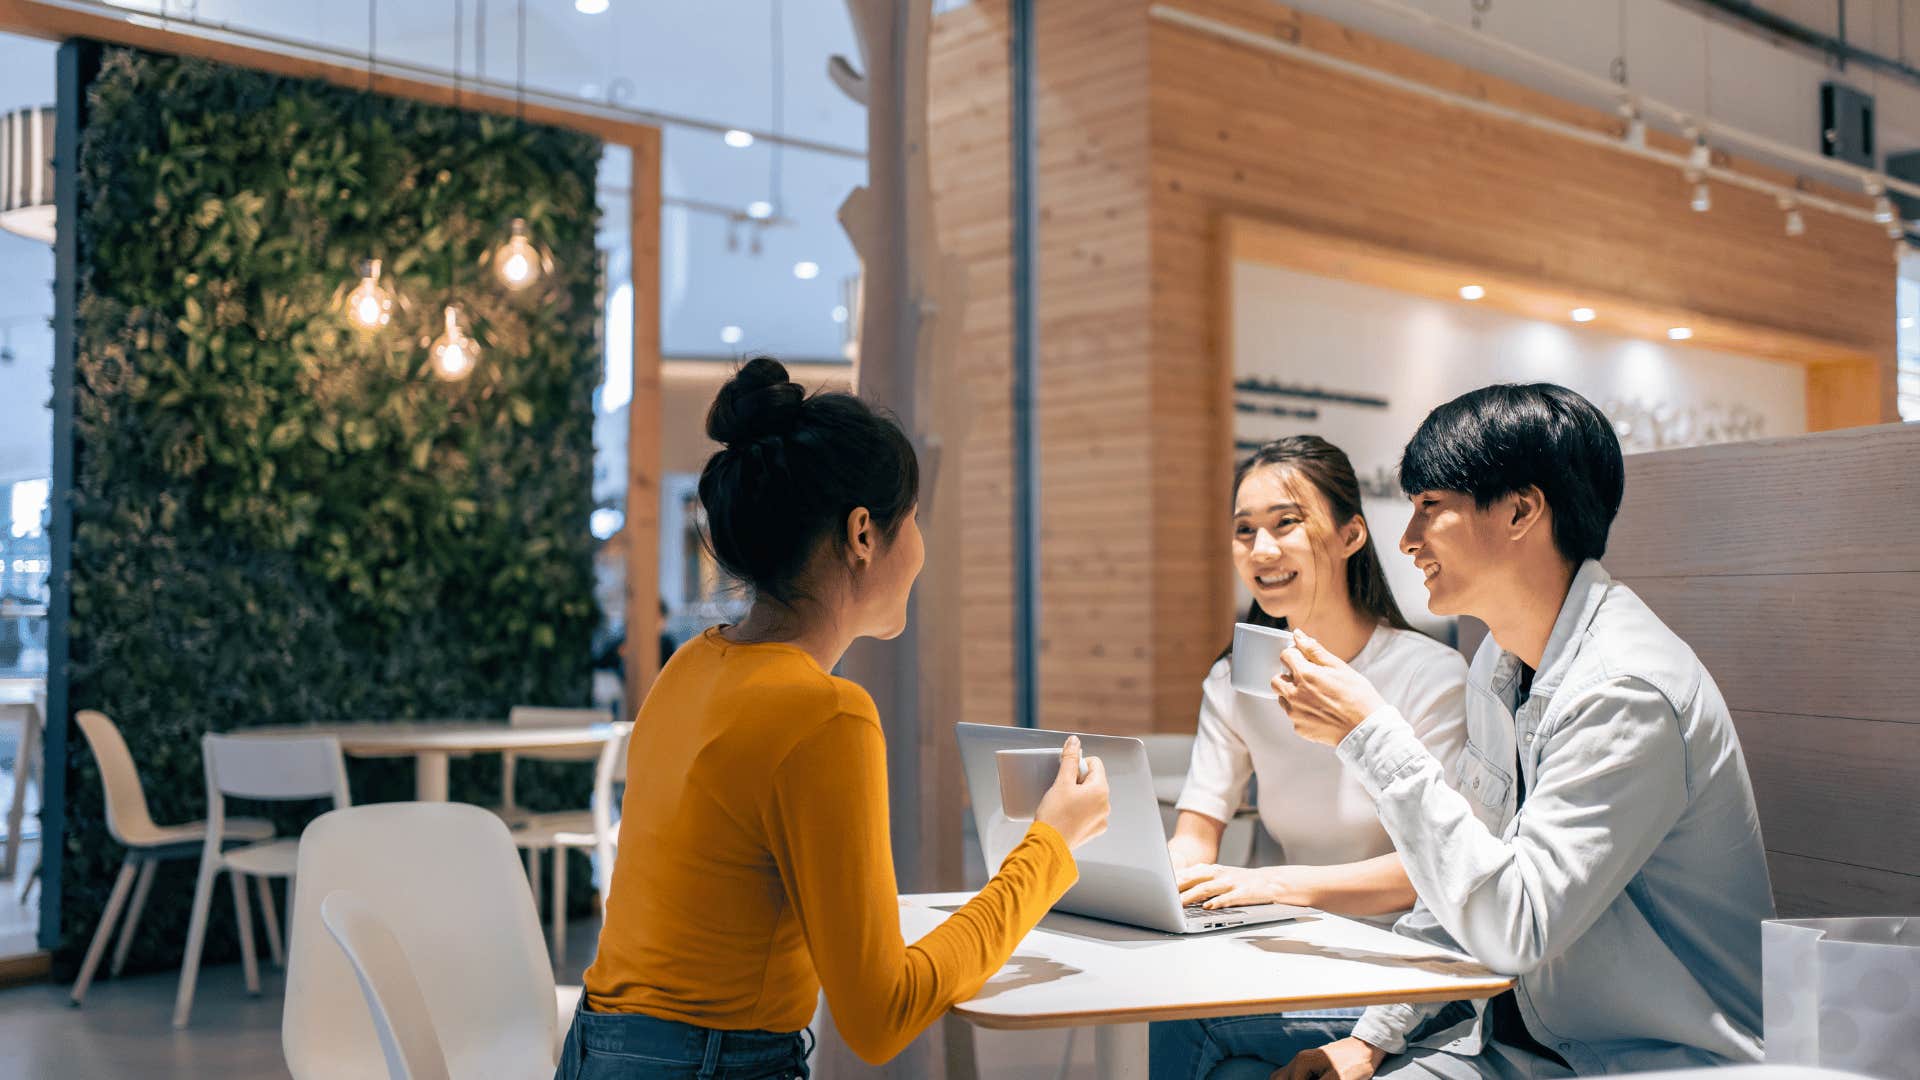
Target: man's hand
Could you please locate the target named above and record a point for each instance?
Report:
(1348, 1059)
(1323, 697)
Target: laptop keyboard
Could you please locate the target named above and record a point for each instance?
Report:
(1198, 911)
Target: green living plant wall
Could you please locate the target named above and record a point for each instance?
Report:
(278, 519)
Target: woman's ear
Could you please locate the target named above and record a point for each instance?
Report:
(860, 536)
(1353, 537)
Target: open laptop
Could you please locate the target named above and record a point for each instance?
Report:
(1126, 875)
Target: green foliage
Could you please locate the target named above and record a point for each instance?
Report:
(278, 519)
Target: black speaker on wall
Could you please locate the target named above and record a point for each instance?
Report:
(1846, 124)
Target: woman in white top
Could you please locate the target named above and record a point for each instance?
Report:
(1302, 548)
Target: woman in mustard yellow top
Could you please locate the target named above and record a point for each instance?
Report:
(755, 867)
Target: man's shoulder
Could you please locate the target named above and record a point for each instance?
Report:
(1627, 640)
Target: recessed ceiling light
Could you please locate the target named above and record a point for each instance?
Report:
(731, 334)
(1581, 314)
(806, 271)
(1907, 323)
(1680, 333)
(760, 209)
(738, 139)
(589, 7)
(1472, 292)
(840, 313)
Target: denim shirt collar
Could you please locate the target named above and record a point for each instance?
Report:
(1582, 603)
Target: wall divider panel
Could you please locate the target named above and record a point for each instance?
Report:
(1792, 567)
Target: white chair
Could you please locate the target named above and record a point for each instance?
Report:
(597, 830)
(1168, 757)
(147, 844)
(266, 769)
(399, 1009)
(509, 810)
(446, 881)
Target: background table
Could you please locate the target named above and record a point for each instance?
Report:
(23, 700)
(1075, 972)
(433, 742)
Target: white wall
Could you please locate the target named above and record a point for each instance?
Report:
(1304, 330)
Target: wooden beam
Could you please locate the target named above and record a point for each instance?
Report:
(642, 528)
(29, 19)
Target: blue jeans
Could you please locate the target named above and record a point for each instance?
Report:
(1241, 1047)
(618, 1046)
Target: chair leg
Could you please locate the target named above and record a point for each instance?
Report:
(196, 937)
(559, 906)
(243, 917)
(533, 875)
(134, 909)
(108, 918)
(270, 915)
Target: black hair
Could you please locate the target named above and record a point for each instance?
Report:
(1501, 439)
(791, 468)
(1330, 471)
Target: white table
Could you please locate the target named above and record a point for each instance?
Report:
(1075, 972)
(23, 700)
(432, 743)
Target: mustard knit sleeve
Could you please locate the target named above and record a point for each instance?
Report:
(827, 826)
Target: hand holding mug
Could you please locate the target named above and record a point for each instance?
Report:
(1323, 696)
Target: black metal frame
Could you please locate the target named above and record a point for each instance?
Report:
(1026, 334)
(76, 66)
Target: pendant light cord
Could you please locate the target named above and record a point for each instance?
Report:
(520, 69)
(458, 116)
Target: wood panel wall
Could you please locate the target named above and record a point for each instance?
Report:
(1150, 135)
(969, 99)
(1792, 566)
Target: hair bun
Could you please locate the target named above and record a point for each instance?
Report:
(759, 401)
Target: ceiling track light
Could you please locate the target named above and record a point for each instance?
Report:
(1882, 210)
(1701, 156)
(1702, 200)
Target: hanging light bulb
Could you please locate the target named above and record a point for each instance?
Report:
(517, 262)
(370, 305)
(454, 354)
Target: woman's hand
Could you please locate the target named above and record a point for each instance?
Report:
(1216, 886)
(1076, 805)
(1347, 1059)
(1323, 696)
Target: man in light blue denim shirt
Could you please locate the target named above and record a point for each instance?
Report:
(1599, 840)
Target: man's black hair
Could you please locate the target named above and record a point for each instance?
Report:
(1501, 439)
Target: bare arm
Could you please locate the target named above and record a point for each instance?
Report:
(1196, 839)
(1374, 886)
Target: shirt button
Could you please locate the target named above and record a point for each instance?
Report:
(1476, 783)
(1529, 738)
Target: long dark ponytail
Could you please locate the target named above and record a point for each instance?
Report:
(1328, 469)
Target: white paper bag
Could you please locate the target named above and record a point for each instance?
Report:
(1843, 993)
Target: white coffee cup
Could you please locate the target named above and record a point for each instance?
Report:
(1256, 658)
(1025, 776)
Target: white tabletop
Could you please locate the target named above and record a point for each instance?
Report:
(1073, 971)
(407, 737)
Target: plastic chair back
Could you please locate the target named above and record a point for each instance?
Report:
(295, 768)
(398, 1008)
(542, 716)
(127, 815)
(447, 881)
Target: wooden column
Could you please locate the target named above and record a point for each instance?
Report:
(642, 529)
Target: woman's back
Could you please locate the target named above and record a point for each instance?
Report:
(702, 931)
